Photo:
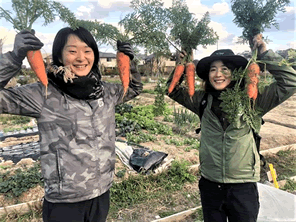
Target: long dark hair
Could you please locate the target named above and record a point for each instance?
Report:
(61, 39)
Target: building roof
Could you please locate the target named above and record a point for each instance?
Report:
(107, 55)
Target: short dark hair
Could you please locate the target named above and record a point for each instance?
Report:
(61, 39)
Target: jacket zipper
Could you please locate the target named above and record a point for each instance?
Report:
(59, 171)
(223, 138)
(223, 156)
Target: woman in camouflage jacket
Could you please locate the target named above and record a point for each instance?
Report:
(76, 121)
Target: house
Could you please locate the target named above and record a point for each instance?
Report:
(107, 60)
(161, 64)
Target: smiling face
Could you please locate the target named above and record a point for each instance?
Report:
(78, 56)
(219, 75)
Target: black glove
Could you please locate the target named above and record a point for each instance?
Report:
(24, 42)
(126, 48)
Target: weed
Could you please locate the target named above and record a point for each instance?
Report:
(185, 120)
(177, 141)
(141, 117)
(14, 119)
(35, 214)
(140, 137)
(168, 118)
(20, 181)
(150, 91)
(160, 106)
(166, 213)
(5, 168)
(284, 162)
(290, 186)
(142, 188)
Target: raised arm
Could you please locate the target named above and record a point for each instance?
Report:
(135, 86)
(19, 100)
(285, 76)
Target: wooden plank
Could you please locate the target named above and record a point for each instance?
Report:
(277, 149)
(179, 216)
(21, 209)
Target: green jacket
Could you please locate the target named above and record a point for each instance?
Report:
(230, 156)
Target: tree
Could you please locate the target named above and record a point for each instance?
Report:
(102, 32)
(254, 16)
(156, 28)
(28, 11)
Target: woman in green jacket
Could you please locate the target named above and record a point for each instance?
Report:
(229, 160)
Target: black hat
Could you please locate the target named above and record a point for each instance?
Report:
(203, 66)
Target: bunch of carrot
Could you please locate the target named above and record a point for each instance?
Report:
(252, 85)
(123, 64)
(37, 65)
(190, 77)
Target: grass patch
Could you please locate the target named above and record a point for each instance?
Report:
(284, 162)
(34, 215)
(290, 186)
(190, 143)
(141, 189)
(150, 91)
(197, 216)
(14, 184)
(14, 119)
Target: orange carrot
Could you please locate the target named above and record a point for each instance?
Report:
(253, 73)
(190, 78)
(123, 64)
(177, 75)
(251, 89)
(36, 62)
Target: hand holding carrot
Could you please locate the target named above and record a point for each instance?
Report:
(25, 41)
(124, 55)
(126, 48)
(27, 44)
(259, 43)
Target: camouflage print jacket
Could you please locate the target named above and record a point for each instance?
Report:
(77, 137)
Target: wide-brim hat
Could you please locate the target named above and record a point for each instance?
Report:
(203, 66)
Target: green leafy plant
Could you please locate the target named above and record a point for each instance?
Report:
(254, 16)
(21, 180)
(28, 11)
(290, 186)
(160, 106)
(184, 117)
(186, 31)
(14, 119)
(140, 137)
(147, 25)
(131, 121)
(236, 102)
(137, 189)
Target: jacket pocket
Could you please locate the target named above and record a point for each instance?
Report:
(240, 157)
(50, 171)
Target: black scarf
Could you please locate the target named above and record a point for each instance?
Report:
(81, 87)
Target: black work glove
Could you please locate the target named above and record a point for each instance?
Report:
(24, 42)
(126, 48)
